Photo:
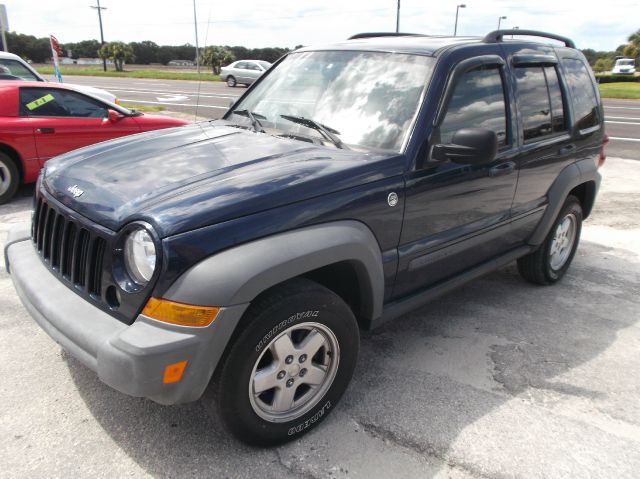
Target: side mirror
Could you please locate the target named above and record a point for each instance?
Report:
(232, 101)
(113, 116)
(469, 146)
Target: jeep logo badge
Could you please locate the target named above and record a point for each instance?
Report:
(392, 199)
(75, 191)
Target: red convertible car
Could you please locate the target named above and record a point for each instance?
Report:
(40, 120)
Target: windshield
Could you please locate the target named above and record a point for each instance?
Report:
(265, 65)
(366, 99)
(16, 69)
(625, 62)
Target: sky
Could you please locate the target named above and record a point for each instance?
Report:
(279, 23)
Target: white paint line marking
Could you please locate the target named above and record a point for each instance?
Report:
(174, 104)
(161, 92)
(622, 122)
(624, 107)
(173, 98)
(620, 118)
(623, 139)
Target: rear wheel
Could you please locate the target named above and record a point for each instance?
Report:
(289, 367)
(231, 81)
(9, 178)
(551, 261)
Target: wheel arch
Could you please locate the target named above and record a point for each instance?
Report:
(343, 256)
(581, 179)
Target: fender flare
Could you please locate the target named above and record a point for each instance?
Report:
(239, 274)
(575, 174)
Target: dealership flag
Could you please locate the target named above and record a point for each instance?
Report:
(55, 50)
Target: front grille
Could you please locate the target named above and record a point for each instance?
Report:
(67, 248)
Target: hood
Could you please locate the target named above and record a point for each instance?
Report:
(185, 178)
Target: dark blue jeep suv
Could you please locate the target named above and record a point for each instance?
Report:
(350, 184)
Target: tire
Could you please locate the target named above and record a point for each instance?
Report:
(9, 178)
(294, 320)
(231, 81)
(550, 262)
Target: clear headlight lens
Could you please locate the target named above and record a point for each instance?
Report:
(140, 255)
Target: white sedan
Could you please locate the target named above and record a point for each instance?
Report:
(12, 67)
(243, 72)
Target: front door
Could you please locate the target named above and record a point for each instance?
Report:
(457, 215)
(63, 120)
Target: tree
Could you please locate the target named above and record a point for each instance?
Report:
(216, 57)
(85, 48)
(632, 50)
(29, 47)
(119, 52)
(603, 65)
(145, 52)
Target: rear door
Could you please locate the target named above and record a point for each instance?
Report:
(548, 144)
(63, 120)
(457, 215)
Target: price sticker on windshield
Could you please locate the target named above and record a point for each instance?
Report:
(39, 102)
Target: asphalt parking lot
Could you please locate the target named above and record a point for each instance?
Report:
(498, 379)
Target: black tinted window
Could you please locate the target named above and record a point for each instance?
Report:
(533, 102)
(558, 123)
(477, 102)
(540, 101)
(52, 102)
(585, 102)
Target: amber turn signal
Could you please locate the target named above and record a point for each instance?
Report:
(180, 313)
(173, 372)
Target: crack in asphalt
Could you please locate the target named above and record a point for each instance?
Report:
(405, 443)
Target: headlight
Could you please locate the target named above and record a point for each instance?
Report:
(140, 255)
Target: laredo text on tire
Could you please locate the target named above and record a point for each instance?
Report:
(289, 366)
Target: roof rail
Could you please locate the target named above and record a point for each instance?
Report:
(496, 36)
(383, 34)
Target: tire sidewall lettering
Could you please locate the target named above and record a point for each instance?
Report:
(284, 324)
(310, 421)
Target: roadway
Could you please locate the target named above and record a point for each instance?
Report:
(211, 100)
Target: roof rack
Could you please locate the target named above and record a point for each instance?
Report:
(383, 34)
(496, 36)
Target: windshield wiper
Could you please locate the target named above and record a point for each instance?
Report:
(253, 116)
(326, 131)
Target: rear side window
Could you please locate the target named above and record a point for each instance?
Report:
(540, 102)
(585, 101)
(477, 102)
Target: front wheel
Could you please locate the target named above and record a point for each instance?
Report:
(290, 365)
(231, 81)
(551, 261)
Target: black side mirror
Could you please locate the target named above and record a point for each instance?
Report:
(469, 146)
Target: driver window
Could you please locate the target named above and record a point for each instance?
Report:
(56, 103)
(477, 102)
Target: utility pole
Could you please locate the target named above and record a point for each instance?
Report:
(398, 18)
(455, 28)
(195, 24)
(500, 20)
(99, 8)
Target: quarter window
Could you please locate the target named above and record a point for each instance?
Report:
(585, 101)
(477, 102)
(540, 102)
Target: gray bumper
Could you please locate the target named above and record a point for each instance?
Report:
(131, 358)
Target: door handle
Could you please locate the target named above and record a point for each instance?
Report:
(45, 131)
(502, 169)
(565, 150)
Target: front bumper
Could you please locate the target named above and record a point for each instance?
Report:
(130, 359)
